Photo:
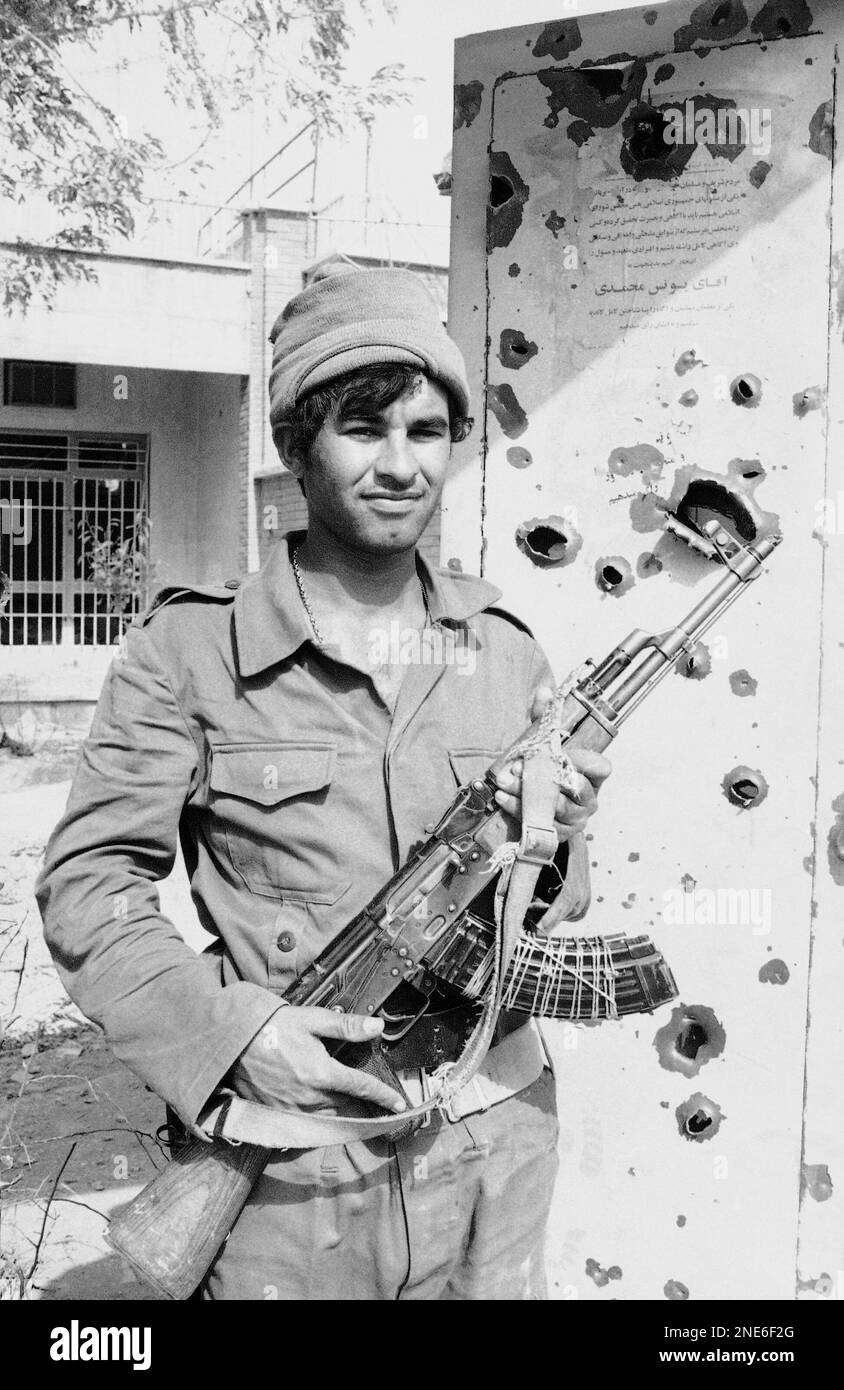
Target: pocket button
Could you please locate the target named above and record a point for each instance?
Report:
(285, 941)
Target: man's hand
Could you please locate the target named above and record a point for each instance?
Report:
(570, 815)
(287, 1065)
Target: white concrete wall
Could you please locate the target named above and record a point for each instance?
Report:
(173, 315)
(755, 1210)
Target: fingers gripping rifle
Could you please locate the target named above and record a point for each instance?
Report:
(424, 926)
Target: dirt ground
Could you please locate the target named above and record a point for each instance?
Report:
(77, 1129)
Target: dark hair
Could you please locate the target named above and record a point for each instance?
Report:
(365, 391)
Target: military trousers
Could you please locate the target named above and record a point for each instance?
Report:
(457, 1211)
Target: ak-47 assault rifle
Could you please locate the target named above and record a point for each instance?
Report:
(434, 923)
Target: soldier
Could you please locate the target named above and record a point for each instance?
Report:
(298, 758)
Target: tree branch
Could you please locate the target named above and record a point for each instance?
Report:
(34, 1264)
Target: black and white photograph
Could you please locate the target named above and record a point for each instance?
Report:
(396, 397)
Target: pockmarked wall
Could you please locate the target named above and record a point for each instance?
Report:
(647, 236)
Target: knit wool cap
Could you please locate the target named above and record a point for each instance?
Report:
(360, 318)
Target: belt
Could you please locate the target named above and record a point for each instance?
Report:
(513, 1063)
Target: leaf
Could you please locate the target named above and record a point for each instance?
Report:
(61, 141)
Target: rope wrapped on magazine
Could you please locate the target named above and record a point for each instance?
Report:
(567, 977)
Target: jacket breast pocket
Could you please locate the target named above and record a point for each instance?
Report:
(467, 764)
(271, 803)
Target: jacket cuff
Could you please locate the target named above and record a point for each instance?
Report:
(248, 1007)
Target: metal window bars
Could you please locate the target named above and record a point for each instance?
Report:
(74, 536)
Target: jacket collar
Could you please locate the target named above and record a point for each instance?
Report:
(271, 623)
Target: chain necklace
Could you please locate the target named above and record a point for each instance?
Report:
(306, 603)
(297, 573)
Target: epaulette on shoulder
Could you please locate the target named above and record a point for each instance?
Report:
(203, 593)
(510, 617)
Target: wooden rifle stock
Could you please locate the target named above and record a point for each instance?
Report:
(172, 1231)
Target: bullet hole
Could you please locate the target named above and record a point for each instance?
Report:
(688, 884)
(753, 472)
(706, 500)
(805, 402)
(774, 972)
(500, 191)
(595, 96)
(696, 664)
(759, 173)
(633, 857)
(555, 223)
(823, 1285)
(514, 349)
(579, 132)
(637, 458)
(614, 575)
(507, 410)
(780, 18)
(650, 16)
(681, 1220)
(675, 1291)
(467, 102)
(686, 361)
(645, 143)
(689, 398)
(691, 1038)
(821, 131)
(648, 565)
(455, 564)
(742, 683)
(663, 73)
(835, 843)
(698, 1118)
(518, 457)
(815, 1180)
(558, 40)
(514, 269)
(508, 194)
(712, 21)
(601, 1276)
(548, 542)
(745, 787)
(746, 390)
(721, 15)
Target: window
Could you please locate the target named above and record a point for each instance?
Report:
(39, 383)
(73, 536)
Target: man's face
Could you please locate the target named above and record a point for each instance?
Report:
(374, 481)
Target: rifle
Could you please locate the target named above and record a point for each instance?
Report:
(432, 922)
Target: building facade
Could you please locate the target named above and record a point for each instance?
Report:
(135, 450)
